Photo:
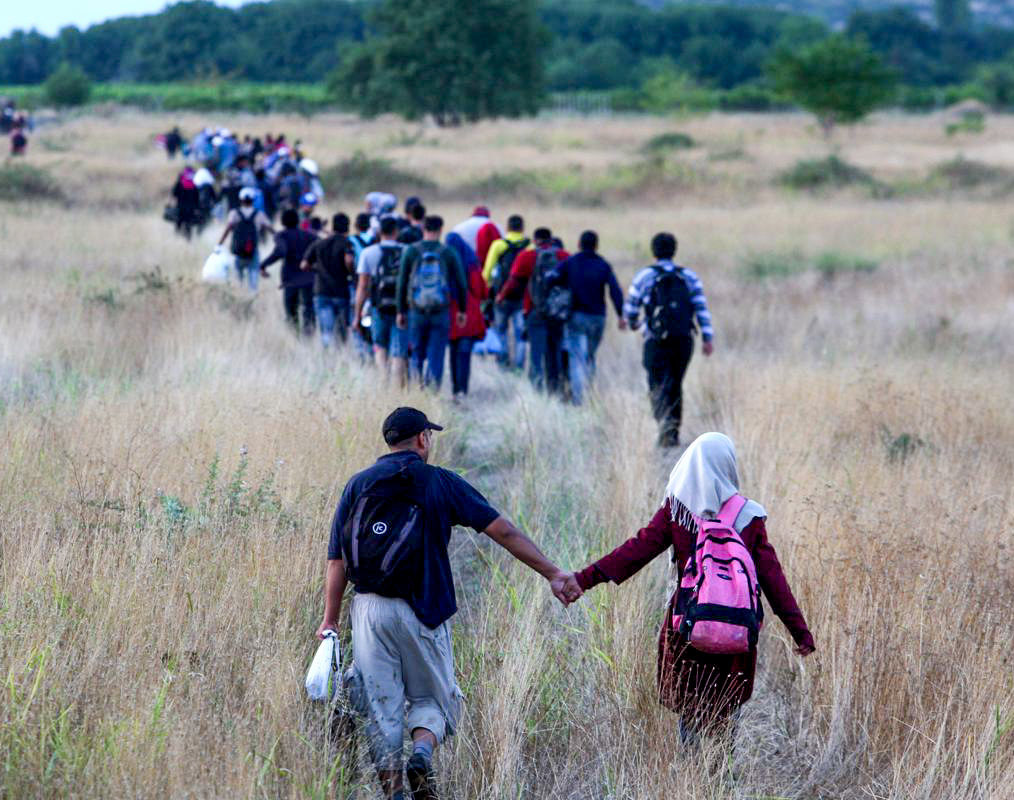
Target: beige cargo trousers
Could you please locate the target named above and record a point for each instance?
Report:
(402, 675)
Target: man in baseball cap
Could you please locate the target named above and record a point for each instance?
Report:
(389, 539)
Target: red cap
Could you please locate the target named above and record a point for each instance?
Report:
(480, 211)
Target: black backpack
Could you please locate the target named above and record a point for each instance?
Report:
(549, 301)
(244, 235)
(384, 295)
(670, 311)
(384, 534)
(502, 269)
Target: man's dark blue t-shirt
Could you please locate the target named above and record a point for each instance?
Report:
(448, 500)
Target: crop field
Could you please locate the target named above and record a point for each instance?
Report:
(172, 456)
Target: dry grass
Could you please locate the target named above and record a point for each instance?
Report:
(172, 458)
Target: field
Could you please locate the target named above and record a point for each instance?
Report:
(172, 458)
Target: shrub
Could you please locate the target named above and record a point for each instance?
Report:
(762, 266)
(962, 173)
(832, 263)
(67, 87)
(362, 173)
(674, 140)
(831, 172)
(784, 264)
(27, 182)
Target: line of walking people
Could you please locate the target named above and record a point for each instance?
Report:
(413, 300)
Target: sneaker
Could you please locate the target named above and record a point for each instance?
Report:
(421, 778)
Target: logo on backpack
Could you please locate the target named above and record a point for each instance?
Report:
(380, 528)
(549, 300)
(430, 291)
(717, 607)
(670, 311)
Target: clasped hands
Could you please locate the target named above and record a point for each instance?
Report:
(565, 587)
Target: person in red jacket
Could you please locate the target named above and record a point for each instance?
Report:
(545, 336)
(706, 690)
(464, 337)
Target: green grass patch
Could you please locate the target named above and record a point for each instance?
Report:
(762, 266)
(664, 142)
(20, 181)
(964, 174)
(825, 173)
(362, 173)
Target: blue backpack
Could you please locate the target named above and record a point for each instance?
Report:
(430, 291)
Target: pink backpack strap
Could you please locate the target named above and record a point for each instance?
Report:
(731, 509)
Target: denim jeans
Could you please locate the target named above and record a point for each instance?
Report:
(428, 333)
(461, 364)
(332, 313)
(252, 268)
(505, 315)
(388, 336)
(546, 341)
(582, 338)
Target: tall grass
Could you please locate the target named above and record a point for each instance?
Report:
(172, 458)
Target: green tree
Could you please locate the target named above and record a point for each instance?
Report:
(68, 86)
(453, 62)
(839, 80)
(953, 15)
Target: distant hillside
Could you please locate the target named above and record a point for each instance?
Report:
(837, 12)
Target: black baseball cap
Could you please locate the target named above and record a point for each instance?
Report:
(404, 423)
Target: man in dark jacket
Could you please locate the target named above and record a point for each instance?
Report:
(588, 276)
(332, 262)
(297, 286)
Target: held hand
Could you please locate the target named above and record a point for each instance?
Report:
(707, 348)
(326, 626)
(402, 321)
(622, 324)
(264, 273)
(461, 319)
(565, 588)
(804, 650)
(304, 265)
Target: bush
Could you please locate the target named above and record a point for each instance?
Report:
(362, 173)
(832, 263)
(674, 140)
(761, 266)
(765, 266)
(26, 182)
(962, 173)
(825, 173)
(68, 87)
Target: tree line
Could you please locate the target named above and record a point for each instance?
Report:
(501, 57)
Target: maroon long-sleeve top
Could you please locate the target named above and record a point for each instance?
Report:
(663, 532)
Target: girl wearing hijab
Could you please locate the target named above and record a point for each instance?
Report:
(464, 337)
(703, 688)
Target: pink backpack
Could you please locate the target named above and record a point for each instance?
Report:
(718, 608)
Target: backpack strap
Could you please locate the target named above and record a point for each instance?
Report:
(731, 510)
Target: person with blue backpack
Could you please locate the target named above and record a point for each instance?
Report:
(671, 298)
(431, 276)
(707, 646)
(389, 539)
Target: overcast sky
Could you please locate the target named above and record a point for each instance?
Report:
(48, 16)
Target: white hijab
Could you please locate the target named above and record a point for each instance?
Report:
(704, 478)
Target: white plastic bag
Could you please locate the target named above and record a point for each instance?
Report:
(492, 345)
(216, 268)
(324, 675)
